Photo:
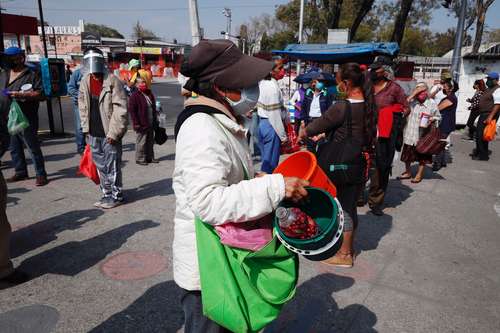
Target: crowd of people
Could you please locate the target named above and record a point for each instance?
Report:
(102, 105)
(215, 179)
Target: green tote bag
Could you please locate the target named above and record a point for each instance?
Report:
(243, 290)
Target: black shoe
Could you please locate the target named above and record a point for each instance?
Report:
(154, 160)
(141, 162)
(377, 211)
(14, 279)
(436, 167)
(477, 158)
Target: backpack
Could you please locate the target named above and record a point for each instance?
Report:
(343, 161)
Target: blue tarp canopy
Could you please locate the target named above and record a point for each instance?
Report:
(339, 53)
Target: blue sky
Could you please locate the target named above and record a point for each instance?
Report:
(169, 18)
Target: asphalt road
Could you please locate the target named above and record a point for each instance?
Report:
(431, 264)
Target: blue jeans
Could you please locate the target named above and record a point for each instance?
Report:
(270, 144)
(79, 137)
(29, 138)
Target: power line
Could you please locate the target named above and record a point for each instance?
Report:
(173, 9)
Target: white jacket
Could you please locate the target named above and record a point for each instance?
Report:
(208, 181)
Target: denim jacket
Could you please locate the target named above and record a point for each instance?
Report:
(74, 85)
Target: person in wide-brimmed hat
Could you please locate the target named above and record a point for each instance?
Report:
(213, 178)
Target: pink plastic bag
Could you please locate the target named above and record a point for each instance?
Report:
(251, 236)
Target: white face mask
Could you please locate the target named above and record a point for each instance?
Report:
(248, 100)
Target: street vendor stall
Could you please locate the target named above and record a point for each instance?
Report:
(363, 53)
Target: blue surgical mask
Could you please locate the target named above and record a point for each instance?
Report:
(248, 100)
(320, 85)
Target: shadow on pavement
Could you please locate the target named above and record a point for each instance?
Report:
(314, 309)
(169, 157)
(158, 310)
(158, 188)
(59, 157)
(35, 235)
(13, 201)
(397, 193)
(371, 229)
(75, 257)
(47, 141)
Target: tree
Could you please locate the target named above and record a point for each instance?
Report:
(333, 9)
(493, 36)
(139, 32)
(481, 9)
(470, 13)
(400, 23)
(443, 42)
(103, 30)
(364, 7)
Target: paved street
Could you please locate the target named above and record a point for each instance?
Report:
(431, 264)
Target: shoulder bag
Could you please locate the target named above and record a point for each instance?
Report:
(343, 161)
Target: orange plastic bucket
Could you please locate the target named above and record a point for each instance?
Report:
(304, 165)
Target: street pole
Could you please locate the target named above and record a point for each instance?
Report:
(301, 27)
(2, 47)
(227, 13)
(195, 22)
(459, 37)
(46, 53)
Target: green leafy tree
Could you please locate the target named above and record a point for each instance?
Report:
(139, 32)
(103, 30)
(481, 9)
(443, 42)
(493, 36)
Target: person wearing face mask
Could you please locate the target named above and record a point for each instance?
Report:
(480, 88)
(423, 111)
(360, 107)
(270, 109)
(142, 109)
(103, 112)
(316, 101)
(213, 178)
(391, 104)
(16, 76)
(448, 109)
(297, 100)
(489, 109)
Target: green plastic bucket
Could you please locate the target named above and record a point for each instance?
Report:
(327, 213)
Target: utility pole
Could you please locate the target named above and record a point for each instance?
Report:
(46, 53)
(227, 14)
(459, 37)
(301, 27)
(195, 22)
(2, 47)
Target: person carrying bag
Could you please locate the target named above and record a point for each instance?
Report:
(223, 287)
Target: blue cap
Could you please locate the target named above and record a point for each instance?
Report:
(493, 75)
(13, 50)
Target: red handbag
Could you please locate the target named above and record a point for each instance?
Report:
(291, 146)
(431, 143)
(87, 166)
